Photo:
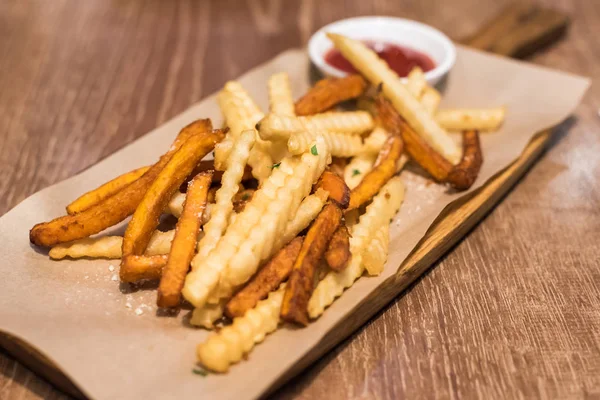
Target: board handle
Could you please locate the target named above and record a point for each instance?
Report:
(520, 30)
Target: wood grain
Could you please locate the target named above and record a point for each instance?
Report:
(511, 312)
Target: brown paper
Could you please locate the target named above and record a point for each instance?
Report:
(77, 314)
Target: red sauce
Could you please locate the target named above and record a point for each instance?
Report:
(401, 59)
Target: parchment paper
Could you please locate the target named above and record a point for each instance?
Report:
(78, 315)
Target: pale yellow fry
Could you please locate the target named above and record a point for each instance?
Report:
(109, 246)
(230, 183)
(263, 218)
(430, 100)
(175, 206)
(488, 119)
(222, 150)
(260, 159)
(340, 145)
(306, 213)
(280, 127)
(383, 207)
(280, 95)
(375, 141)
(231, 343)
(378, 72)
(375, 255)
(206, 316)
(357, 168)
(416, 82)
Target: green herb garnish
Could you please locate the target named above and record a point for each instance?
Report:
(275, 165)
(314, 151)
(245, 196)
(355, 172)
(200, 372)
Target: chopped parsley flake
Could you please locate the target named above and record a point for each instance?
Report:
(275, 165)
(314, 151)
(199, 371)
(355, 172)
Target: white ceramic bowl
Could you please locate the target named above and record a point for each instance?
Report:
(398, 31)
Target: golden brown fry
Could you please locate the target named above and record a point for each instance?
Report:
(115, 208)
(184, 243)
(383, 170)
(336, 187)
(300, 284)
(143, 267)
(416, 147)
(146, 216)
(338, 251)
(266, 280)
(111, 187)
(328, 92)
(464, 174)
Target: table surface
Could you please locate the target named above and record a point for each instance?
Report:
(512, 311)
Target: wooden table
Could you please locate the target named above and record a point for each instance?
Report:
(512, 312)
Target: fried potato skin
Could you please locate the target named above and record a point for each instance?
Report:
(300, 284)
(266, 280)
(146, 216)
(111, 187)
(338, 251)
(328, 92)
(113, 209)
(184, 243)
(141, 267)
(465, 173)
(416, 147)
(383, 171)
(337, 188)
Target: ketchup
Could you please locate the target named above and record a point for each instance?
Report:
(401, 59)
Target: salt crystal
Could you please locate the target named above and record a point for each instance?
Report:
(128, 305)
(86, 276)
(115, 277)
(139, 311)
(111, 268)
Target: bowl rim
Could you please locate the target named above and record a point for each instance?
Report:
(441, 69)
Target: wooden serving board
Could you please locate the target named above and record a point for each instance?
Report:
(536, 29)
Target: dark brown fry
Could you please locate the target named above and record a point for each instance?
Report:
(143, 267)
(463, 174)
(113, 209)
(338, 164)
(417, 148)
(184, 243)
(328, 92)
(383, 171)
(267, 279)
(338, 251)
(209, 165)
(301, 282)
(337, 188)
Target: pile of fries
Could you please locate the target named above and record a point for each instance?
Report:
(295, 207)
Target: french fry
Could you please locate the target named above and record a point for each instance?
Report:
(375, 255)
(487, 119)
(231, 343)
(254, 235)
(146, 216)
(416, 147)
(109, 247)
(115, 208)
(375, 141)
(340, 144)
(357, 169)
(338, 251)
(383, 169)
(280, 127)
(206, 316)
(308, 210)
(184, 244)
(232, 177)
(266, 280)
(430, 100)
(336, 187)
(465, 173)
(300, 284)
(111, 187)
(328, 92)
(141, 267)
(378, 72)
(416, 82)
(280, 94)
(338, 164)
(383, 207)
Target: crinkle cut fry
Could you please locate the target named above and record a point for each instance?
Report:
(338, 251)
(383, 171)
(375, 255)
(267, 279)
(302, 277)
(113, 209)
(280, 94)
(416, 147)
(184, 244)
(340, 144)
(327, 93)
(465, 173)
(109, 188)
